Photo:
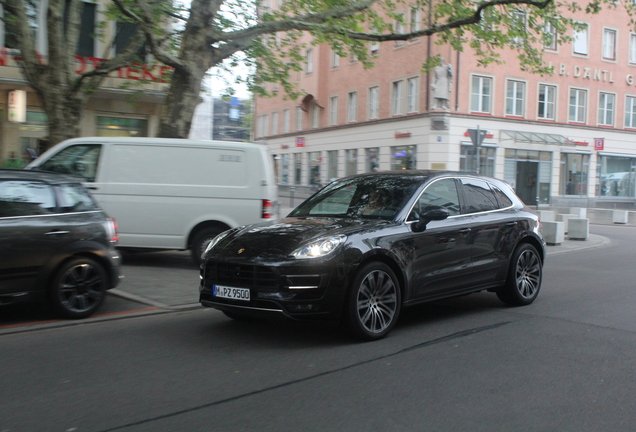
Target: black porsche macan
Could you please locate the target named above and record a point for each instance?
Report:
(365, 246)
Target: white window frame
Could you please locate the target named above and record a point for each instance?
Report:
(630, 112)
(580, 42)
(333, 110)
(580, 107)
(397, 90)
(610, 36)
(632, 48)
(374, 102)
(412, 94)
(352, 106)
(551, 30)
(398, 28)
(606, 108)
(275, 123)
(549, 105)
(515, 105)
(335, 60)
(315, 115)
(299, 118)
(286, 120)
(309, 61)
(478, 94)
(416, 20)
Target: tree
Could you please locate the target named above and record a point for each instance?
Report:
(216, 32)
(62, 91)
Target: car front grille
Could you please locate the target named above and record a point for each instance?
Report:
(238, 275)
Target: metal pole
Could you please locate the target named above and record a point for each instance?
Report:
(477, 151)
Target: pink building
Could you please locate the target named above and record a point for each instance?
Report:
(566, 139)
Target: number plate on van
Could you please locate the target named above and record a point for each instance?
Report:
(231, 292)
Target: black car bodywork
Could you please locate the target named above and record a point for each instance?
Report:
(439, 234)
(56, 243)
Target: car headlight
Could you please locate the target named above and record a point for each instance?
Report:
(215, 241)
(319, 248)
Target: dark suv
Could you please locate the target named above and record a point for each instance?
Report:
(55, 243)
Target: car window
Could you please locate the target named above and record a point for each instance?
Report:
(78, 160)
(74, 198)
(502, 198)
(479, 197)
(442, 193)
(336, 203)
(25, 198)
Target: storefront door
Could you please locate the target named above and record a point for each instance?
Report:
(527, 174)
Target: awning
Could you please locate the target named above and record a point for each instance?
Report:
(536, 138)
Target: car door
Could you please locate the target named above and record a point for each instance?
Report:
(491, 227)
(442, 253)
(29, 232)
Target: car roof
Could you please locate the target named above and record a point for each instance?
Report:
(423, 174)
(46, 176)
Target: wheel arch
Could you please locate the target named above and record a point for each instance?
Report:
(389, 261)
(203, 225)
(535, 243)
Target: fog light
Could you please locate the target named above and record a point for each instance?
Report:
(302, 307)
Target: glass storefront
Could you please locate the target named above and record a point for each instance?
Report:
(403, 157)
(351, 164)
(121, 127)
(529, 173)
(468, 159)
(373, 159)
(298, 167)
(284, 169)
(574, 174)
(313, 168)
(617, 176)
(332, 164)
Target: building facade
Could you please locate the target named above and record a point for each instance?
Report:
(127, 104)
(568, 139)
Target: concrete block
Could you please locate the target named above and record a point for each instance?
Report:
(619, 216)
(546, 215)
(600, 216)
(553, 233)
(565, 218)
(580, 212)
(579, 228)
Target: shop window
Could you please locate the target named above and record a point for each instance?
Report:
(298, 166)
(574, 174)
(332, 164)
(284, 169)
(403, 157)
(617, 176)
(314, 169)
(373, 159)
(121, 127)
(351, 166)
(468, 159)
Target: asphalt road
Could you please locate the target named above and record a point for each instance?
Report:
(564, 363)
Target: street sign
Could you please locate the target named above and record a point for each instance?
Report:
(477, 136)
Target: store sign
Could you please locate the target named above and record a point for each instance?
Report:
(402, 134)
(300, 141)
(581, 143)
(599, 143)
(17, 106)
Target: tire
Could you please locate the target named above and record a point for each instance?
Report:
(374, 302)
(201, 240)
(524, 277)
(78, 288)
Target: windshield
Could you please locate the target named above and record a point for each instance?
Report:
(368, 197)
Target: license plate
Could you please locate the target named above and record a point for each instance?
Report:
(231, 292)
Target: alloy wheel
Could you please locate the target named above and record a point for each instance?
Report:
(377, 301)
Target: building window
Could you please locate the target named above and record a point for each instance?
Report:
(374, 48)
(472, 156)
(335, 59)
(609, 44)
(547, 102)
(119, 126)
(351, 164)
(352, 106)
(632, 48)
(617, 176)
(86, 43)
(261, 126)
(515, 91)
(399, 28)
(298, 167)
(309, 61)
(630, 112)
(580, 44)
(396, 98)
(403, 157)
(333, 110)
(314, 168)
(315, 115)
(284, 170)
(332, 165)
(574, 171)
(275, 123)
(286, 122)
(578, 102)
(299, 118)
(520, 20)
(374, 102)
(550, 37)
(412, 94)
(481, 94)
(373, 159)
(8, 23)
(414, 24)
(606, 109)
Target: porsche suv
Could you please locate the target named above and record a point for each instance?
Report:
(56, 243)
(365, 246)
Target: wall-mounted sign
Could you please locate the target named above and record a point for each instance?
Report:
(581, 143)
(300, 141)
(599, 143)
(17, 106)
(402, 134)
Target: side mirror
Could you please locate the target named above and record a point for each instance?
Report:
(431, 213)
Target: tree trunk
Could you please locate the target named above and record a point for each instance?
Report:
(183, 97)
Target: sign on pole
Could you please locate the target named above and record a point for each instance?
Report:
(477, 136)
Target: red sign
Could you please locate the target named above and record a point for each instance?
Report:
(300, 141)
(402, 134)
(599, 143)
(581, 143)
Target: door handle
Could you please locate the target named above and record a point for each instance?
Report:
(56, 232)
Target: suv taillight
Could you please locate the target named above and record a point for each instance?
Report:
(267, 209)
(111, 230)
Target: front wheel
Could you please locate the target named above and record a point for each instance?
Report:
(79, 288)
(524, 277)
(374, 302)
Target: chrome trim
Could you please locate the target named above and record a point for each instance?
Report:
(303, 287)
(49, 214)
(222, 305)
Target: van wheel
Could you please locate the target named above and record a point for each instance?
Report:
(201, 241)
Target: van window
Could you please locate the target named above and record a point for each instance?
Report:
(78, 160)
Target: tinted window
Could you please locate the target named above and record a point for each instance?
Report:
(25, 198)
(441, 193)
(79, 160)
(74, 198)
(504, 200)
(479, 197)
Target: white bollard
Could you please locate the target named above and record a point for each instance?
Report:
(619, 216)
(579, 228)
(553, 233)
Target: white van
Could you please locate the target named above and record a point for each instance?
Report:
(170, 193)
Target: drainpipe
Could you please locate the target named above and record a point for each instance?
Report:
(457, 83)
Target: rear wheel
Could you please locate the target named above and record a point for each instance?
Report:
(79, 288)
(374, 302)
(524, 277)
(201, 241)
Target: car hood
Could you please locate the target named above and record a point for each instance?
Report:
(278, 239)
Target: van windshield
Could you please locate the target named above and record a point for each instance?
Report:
(78, 160)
